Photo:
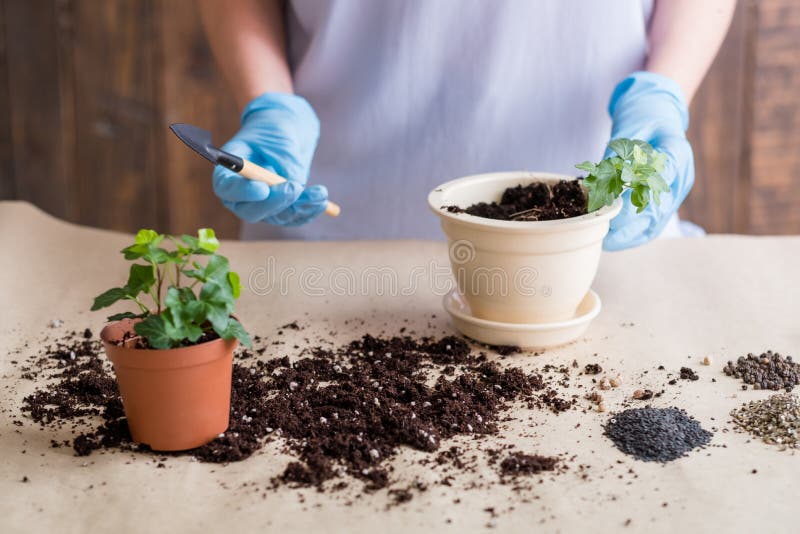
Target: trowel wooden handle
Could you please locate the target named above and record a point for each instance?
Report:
(255, 172)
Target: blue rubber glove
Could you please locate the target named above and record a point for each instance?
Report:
(279, 132)
(651, 107)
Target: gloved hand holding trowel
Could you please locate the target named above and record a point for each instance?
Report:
(410, 94)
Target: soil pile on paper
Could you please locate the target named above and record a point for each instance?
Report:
(340, 412)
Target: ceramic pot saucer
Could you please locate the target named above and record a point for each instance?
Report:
(528, 336)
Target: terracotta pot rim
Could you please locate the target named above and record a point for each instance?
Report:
(172, 358)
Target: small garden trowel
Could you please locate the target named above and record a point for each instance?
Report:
(199, 140)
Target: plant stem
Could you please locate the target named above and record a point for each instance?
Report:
(160, 278)
(142, 307)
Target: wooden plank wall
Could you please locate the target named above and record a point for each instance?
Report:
(88, 87)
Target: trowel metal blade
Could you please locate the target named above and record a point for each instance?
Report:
(197, 139)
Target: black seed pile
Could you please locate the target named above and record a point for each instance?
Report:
(769, 370)
(656, 434)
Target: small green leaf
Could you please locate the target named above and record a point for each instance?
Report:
(236, 284)
(140, 279)
(638, 155)
(236, 330)
(658, 161)
(179, 296)
(134, 252)
(157, 255)
(623, 148)
(108, 298)
(123, 315)
(587, 166)
(207, 240)
(191, 241)
(627, 176)
(153, 328)
(657, 186)
(640, 197)
(217, 268)
(145, 236)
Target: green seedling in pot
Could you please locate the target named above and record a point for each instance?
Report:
(636, 166)
(180, 315)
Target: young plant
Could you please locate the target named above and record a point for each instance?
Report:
(637, 166)
(178, 314)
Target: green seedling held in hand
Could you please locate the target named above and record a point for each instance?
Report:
(637, 166)
(170, 278)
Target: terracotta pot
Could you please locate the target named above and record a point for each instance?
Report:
(519, 272)
(174, 399)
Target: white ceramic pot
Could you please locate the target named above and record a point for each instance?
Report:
(519, 272)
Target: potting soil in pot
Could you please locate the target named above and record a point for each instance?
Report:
(533, 202)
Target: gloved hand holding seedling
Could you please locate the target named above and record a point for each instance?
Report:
(179, 316)
(636, 166)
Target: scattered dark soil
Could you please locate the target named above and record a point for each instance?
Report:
(592, 369)
(340, 412)
(505, 350)
(688, 374)
(533, 202)
(519, 463)
(769, 370)
(656, 434)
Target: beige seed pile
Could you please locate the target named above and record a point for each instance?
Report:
(775, 420)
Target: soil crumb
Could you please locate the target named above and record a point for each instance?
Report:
(519, 463)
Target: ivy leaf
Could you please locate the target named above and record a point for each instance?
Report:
(218, 302)
(236, 284)
(606, 185)
(123, 315)
(153, 327)
(178, 330)
(658, 161)
(178, 296)
(217, 268)
(207, 240)
(236, 330)
(140, 279)
(639, 155)
(637, 166)
(587, 166)
(623, 148)
(146, 237)
(108, 298)
(657, 186)
(640, 197)
(148, 252)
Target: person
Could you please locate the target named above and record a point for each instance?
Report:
(380, 101)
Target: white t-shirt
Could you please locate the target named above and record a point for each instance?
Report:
(413, 93)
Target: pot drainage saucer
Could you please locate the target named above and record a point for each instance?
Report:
(528, 336)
